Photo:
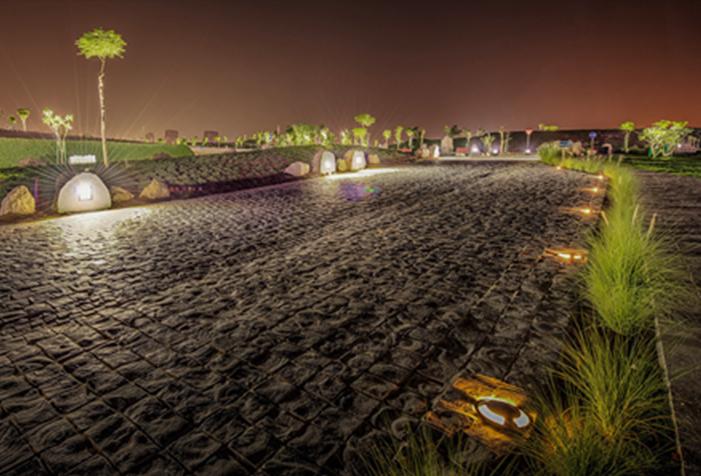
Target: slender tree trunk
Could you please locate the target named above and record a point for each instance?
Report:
(101, 91)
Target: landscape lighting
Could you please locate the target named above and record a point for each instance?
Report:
(491, 411)
(567, 255)
(475, 149)
(528, 151)
(502, 413)
(84, 192)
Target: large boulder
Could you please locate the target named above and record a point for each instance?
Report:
(156, 190)
(298, 169)
(19, 201)
(121, 195)
(342, 165)
(373, 159)
(324, 163)
(83, 193)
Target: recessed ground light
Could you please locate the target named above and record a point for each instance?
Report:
(502, 413)
(582, 211)
(485, 408)
(567, 255)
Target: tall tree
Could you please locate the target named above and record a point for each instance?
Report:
(60, 126)
(365, 120)
(410, 132)
(628, 128)
(103, 45)
(386, 134)
(23, 114)
(13, 122)
(398, 135)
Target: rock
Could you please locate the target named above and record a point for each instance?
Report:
(156, 190)
(342, 165)
(373, 159)
(297, 169)
(19, 201)
(424, 152)
(121, 194)
(348, 156)
(82, 193)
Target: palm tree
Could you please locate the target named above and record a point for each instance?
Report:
(467, 133)
(23, 114)
(410, 135)
(628, 128)
(103, 45)
(386, 134)
(398, 135)
(487, 141)
(366, 121)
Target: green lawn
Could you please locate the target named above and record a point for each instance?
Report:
(690, 166)
(13, 150)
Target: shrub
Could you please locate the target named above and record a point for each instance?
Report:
(663, 137)
(550, 153)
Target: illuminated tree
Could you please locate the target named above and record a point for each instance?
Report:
(13, 122)
(663, 137)
(398, 135)
(410, 135)
(422, 135)
(103, 45)
(366, 121)
(467, 134)
(23, 114)
(346, 137)
(628, 128)
(504, 139)
(60, 126)
(528, 140)
(387, 134)
(360, 135)
(487, 141)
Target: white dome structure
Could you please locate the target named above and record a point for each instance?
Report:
(327, 163)
(358, 161)
(83, 193)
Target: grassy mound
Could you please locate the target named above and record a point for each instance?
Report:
(14, 150)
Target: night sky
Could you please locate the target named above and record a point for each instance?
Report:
(239, 66)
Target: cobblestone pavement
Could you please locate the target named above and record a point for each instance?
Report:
(273, 331)
(677, 202)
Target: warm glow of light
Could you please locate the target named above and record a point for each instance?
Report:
(600, 177)
(528, 151)
(490, 415)
(567, 256)
(84, 191)
(360, 174)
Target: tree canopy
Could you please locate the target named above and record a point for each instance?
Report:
(101, 44)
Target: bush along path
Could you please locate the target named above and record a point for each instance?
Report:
(606, 410)
(677, 204)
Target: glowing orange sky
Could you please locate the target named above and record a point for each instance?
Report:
(241, 66)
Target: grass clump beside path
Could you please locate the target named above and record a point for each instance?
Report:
(14, 150)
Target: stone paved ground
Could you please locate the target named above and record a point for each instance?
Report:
(677, 201)
(273, 331)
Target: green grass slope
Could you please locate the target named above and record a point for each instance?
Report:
(13, 150)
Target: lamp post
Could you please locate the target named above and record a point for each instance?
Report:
(528, 140)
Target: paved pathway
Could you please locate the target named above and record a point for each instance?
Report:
(677, 201)
(273, 331)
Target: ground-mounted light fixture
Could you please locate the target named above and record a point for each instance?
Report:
(528, 151)
(83, 193)
(592, 190)
(601, 177)
(485, 408)
(567, 255)
(475, 149)
(585, 212)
